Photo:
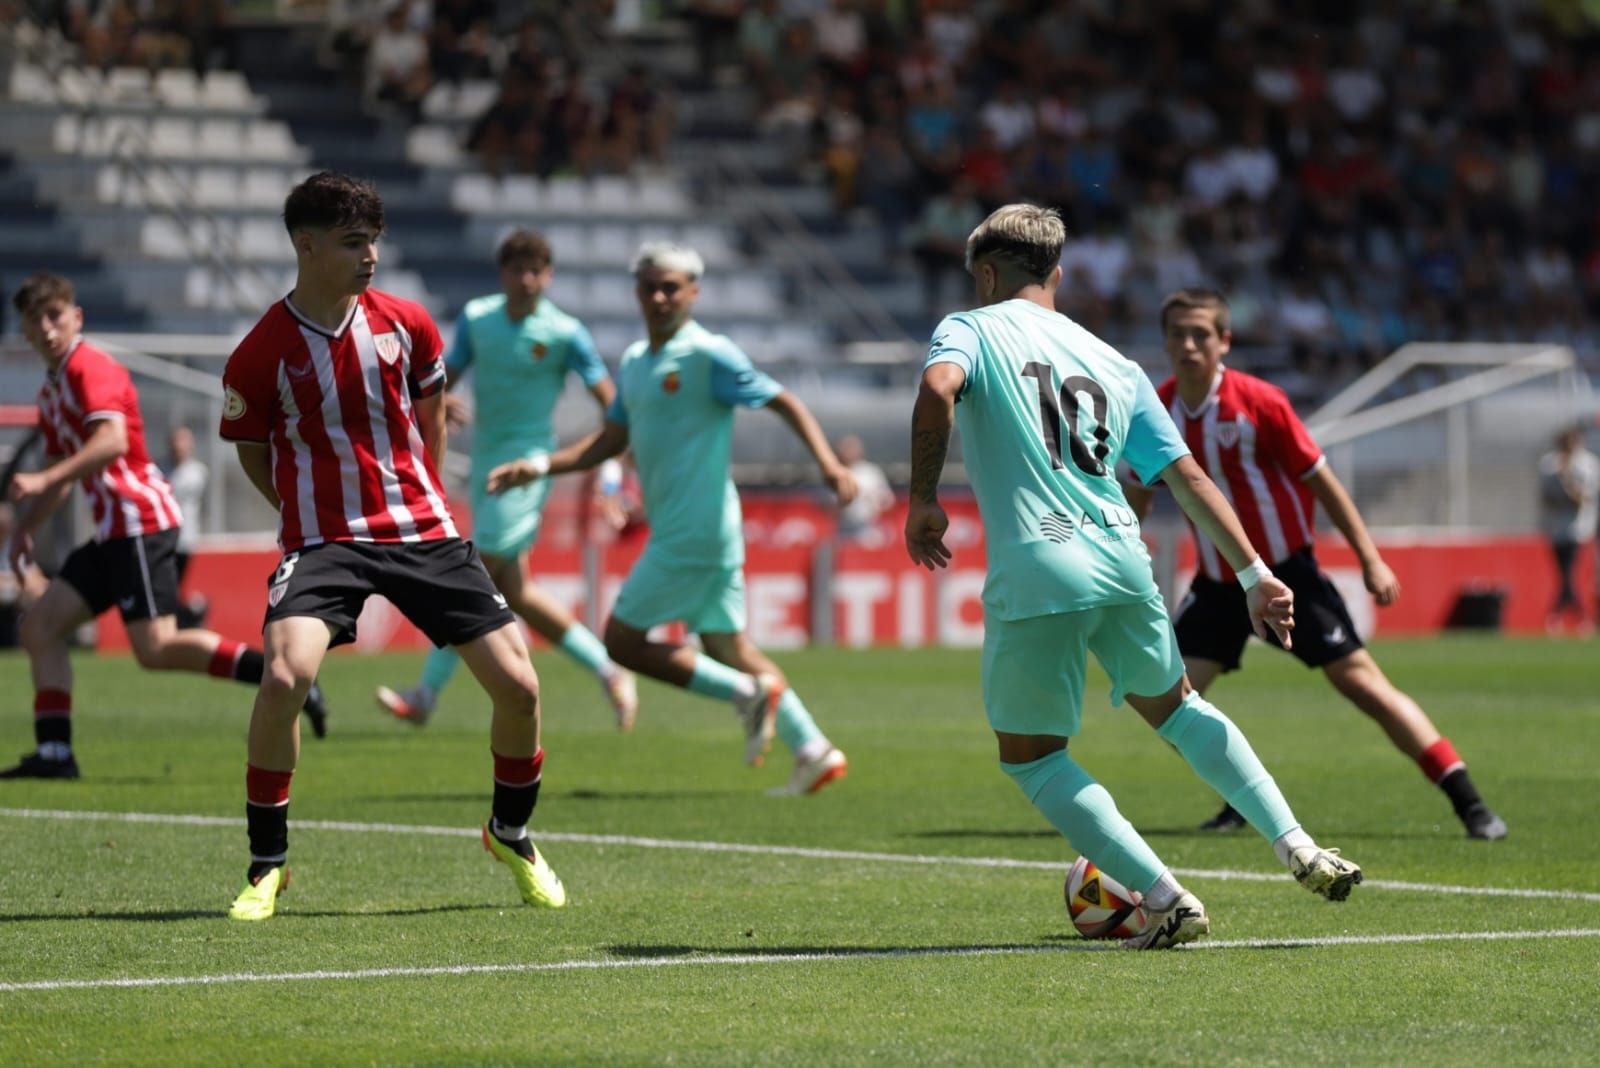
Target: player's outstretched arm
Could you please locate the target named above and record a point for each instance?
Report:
(793, 411)
(107, 440)
(932, 419)
(1270, 602)
(256, 459)
(1335, 500)
(610, 440)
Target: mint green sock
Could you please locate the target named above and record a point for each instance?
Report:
(1221, 755)
(1083, 811)
(580, 643)
(437, 669)
(795, 725)
(717, 680)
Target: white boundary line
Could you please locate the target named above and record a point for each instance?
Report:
(183, 819)
(771, 958)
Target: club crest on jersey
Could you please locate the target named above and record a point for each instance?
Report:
(1228, 435)
(275, 594)
(388, 346)
(232, 404)
(540, 350)
(670, 383)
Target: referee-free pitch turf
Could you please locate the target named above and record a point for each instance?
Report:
(910, 914)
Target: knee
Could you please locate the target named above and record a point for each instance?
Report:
(283, 687)
(36, 634)
(152, 656)
(622, 644)
(519, 696)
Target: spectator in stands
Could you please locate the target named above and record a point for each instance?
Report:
(398, 72)
(939, 240)
(189, 479)
(1569, 499)
(859, 520)
(510, 132)
(461, 42)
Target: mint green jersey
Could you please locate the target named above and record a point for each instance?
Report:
(678, 405)
(519, 370)
(1047, 411)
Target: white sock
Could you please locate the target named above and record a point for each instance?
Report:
(1164, 893)
(508, 834)
(746, 687)
(1288, 842)
(814, 750)
(54, 750)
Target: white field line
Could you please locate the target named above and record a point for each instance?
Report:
(771, 958)
(768, 850)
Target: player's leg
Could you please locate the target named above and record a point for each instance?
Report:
(293, 648)
(1033, 672)
(442, 588)
(1361, 681)
(1139, 650)
(149, 602)
(550, 620)
(817, 761)
(44, 632)
(1213, 627)
(1566, 559)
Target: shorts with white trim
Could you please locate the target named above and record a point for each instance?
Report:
(438, 585)
(1214, 624)
(1033, 669)
(138, 574)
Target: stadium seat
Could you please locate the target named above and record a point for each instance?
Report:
(565, 196)
(471, 194)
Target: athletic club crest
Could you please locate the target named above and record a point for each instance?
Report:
(670, 383)
(1228, 435)
(388, 346)
(275, 594)
(540, 350)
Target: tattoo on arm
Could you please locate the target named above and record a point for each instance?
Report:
(928, 449)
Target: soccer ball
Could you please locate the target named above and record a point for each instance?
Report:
(1100, 906)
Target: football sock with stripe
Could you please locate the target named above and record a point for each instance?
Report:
(52, 723)
(516, 792)
(266, 814)
(1083, 811)
(1221, 755)
(438, 669)
(714, 679)
(1446, 770)
(796, 729)
(236, 661)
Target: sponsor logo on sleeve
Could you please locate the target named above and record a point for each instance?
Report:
(232, 404)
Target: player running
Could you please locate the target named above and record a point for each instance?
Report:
(521, 347)
(335, 401)
(94, 434)
(1046, 410)
(1245, 435)
(676, 395)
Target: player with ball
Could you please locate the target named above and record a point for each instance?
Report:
(1046, 410)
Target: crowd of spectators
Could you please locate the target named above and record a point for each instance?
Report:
(548, 114)
(151, 34)
(1355, 174)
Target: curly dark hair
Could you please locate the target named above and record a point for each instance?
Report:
(328, 200)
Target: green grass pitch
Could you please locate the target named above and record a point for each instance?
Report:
(868, 949)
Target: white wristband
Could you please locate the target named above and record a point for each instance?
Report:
(1252, 575)
(540, 465)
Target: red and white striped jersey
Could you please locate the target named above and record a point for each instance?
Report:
(348, 461)
(129, 496)
(1248, 439)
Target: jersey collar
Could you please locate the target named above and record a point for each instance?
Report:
(61, 367)
(1211, 396)
(305, 320)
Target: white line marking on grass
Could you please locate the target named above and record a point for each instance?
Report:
(808, 852)
(771, 958)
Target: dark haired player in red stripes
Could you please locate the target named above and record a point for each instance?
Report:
(1246, 436)
(94, 434)
(335, 402)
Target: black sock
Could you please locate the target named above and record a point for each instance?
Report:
(251, 666)
(268, 827)
(513, 805)
(1458, 787)
(53, 729)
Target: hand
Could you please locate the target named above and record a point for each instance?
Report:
(456, 412)
(511, 475)
(842, 481)
(1271, 604)
(1381, 583)
(925, 527)
(21, 554)
(27, 483)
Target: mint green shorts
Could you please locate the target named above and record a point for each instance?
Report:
(1033, 669)
(707, 599)
(507, 524)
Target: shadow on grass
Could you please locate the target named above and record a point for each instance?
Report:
(480, 796)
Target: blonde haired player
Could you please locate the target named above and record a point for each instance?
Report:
(1046, 410)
